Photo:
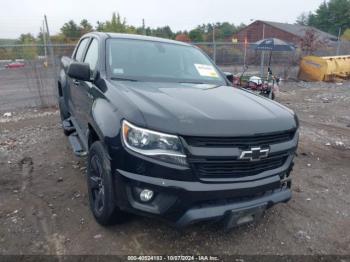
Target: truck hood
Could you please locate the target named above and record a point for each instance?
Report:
(204, 110)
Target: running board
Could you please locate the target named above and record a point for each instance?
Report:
(68, 126)
(76, 145)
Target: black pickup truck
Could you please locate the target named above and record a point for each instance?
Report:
(166, 135)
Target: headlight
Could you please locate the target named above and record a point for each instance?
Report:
(157, 145)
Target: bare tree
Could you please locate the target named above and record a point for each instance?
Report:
(311, 41)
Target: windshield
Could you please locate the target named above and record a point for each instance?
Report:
(139, 60)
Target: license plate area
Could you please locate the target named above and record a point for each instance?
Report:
(236, 218)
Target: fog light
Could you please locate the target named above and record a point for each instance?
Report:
(146, 195)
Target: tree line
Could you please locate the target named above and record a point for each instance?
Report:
(71, 31)
(331, 16)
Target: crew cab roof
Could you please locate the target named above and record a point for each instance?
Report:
(136, 37)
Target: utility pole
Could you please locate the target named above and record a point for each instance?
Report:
(143, 26)
(44, 39)
(49, 41)
(50, 50)
(339, 42)
(262, 55)
(245, 52)
(214, 44)
(47, 28)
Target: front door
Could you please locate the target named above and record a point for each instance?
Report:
(84, 103)
(73, 84)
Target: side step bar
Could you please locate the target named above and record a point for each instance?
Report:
(76, 145)
(68, 126)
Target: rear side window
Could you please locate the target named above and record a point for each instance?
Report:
(92, 55)
(80, 51)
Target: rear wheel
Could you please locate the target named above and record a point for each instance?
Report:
(63, 109)
(101, 187)
(63, 113)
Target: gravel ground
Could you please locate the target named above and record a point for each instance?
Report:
(44, 206)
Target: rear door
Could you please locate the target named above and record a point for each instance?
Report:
(73, 97)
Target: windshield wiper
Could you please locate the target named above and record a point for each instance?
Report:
(124, 79)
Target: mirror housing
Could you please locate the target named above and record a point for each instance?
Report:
(229, 76)
(79, 71)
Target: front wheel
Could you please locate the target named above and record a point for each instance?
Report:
(101, 186)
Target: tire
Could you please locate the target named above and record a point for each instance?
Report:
(101, 187)
(63, 109)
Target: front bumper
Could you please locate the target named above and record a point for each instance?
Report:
(225, 211)
(182, 195)
(188, 202)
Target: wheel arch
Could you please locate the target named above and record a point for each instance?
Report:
(92, 135)
(61, 83)
(104, 125)
(59, 88)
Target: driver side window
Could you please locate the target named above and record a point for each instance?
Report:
(92, 55)
(80, 51)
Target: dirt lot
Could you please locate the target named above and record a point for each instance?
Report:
(44, 207)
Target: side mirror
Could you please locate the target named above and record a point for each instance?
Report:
(79, 71)
(229, 76)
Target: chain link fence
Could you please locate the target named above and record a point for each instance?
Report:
(234, 56)
(28, 72)
(28, 75)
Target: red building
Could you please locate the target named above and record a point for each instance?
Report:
(290, 33)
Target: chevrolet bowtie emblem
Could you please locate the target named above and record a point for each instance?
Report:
(254, 154)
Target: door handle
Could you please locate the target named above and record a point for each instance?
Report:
(76, 82)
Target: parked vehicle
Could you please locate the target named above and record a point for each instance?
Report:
(166, 135)
(15, 65)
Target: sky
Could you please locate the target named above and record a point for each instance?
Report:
(26, 16)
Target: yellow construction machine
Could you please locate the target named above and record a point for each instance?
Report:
(328, 68)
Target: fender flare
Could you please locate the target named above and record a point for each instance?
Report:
(106, 123)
